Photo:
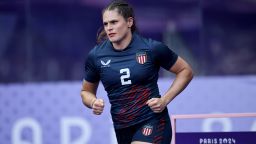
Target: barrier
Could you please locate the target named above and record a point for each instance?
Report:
(202, 116)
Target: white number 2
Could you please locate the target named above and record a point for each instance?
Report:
(125, 77)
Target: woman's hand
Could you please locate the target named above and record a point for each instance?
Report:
(97, 106)
(157, 105)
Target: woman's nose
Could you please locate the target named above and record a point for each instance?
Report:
(109, 27)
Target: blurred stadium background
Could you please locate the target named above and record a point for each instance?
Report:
(43, 45)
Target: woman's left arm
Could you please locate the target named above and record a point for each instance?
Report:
(184, 75)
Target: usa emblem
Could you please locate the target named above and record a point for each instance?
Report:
(141, 58)
(147, 130)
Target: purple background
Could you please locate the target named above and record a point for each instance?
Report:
(50, 104)
(43, 45)
(48, 40)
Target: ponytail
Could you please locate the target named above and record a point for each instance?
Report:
(101, 35)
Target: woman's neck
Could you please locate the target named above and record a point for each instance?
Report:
(123, 43)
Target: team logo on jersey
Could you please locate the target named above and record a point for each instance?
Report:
(105, 64)
(141, 58)
(147, 130)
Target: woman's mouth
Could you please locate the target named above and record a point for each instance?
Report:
(111, 34)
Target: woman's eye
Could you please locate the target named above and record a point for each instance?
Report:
(113, 22)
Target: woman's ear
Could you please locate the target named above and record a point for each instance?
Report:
(130, 22)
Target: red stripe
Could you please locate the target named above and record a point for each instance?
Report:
(141, 59)
(144, 59)
(147, 131)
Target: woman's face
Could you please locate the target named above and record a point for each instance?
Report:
(116, 27)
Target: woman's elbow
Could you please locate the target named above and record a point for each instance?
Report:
(190, 73)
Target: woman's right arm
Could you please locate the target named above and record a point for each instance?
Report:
(88, 94)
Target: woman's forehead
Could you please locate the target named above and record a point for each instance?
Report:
(111, 14)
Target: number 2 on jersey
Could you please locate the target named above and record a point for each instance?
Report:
(125, 76)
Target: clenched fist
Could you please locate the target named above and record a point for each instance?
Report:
(98, 106)
(157, 105)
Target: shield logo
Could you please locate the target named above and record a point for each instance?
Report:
(147, 130)
(141, 58)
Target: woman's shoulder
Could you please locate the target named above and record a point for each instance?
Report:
(151, 43)
(99, 47)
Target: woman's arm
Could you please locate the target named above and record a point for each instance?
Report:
(88, 94)
(184, 75)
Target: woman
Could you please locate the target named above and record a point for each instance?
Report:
(128, 64)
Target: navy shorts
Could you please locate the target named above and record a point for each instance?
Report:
(156, 130)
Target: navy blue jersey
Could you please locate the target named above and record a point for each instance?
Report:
(129, 76)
